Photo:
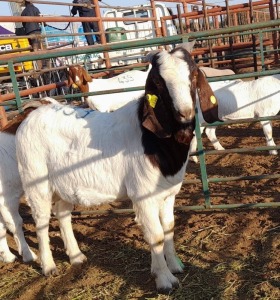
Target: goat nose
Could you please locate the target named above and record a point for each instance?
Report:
(186, 115)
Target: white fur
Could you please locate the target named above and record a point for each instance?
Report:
(244, 99)
(10, 193)
(94, 158)
(212, 72)
(128, 79)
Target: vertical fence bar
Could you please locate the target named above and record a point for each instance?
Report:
(15, 86)
(261, 50)
(201, 154)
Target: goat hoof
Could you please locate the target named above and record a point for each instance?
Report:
(273, 152)
(175, 265)
(168, 290)
(7, 258)
(165, 284)
(50, 271)
(194, 159)
(28, 256)
(180, 266)
(164, 291)
(78, 259)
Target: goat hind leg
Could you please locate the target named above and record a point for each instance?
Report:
(211, 134)
(267, 130)
(5, 254)
(13, 222)
(40, 202)
(193, 148)
(62, 211)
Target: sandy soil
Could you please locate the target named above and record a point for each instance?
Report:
(230, 254)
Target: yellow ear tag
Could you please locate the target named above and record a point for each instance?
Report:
(152, 99)
(213, 99)
(74, 86)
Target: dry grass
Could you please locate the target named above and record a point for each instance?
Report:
(233, 255)
(217, 267)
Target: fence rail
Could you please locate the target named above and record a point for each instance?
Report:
(256, 29)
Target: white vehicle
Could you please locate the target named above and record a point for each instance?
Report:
(131, 30)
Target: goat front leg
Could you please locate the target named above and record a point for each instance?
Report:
(147, 215)
(267, 130)
(62, 211)
(211, 134)
(167, 220)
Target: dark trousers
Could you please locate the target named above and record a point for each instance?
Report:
(89, 27)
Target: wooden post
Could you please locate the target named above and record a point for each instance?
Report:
(102, 33)
(253, 38)
(274, 33)
(3, 117)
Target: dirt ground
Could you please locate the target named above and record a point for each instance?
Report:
(230, 254)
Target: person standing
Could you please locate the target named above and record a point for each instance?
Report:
(87, 26)
(32, 27)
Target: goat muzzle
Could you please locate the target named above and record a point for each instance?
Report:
(184, 136)
(185, 116)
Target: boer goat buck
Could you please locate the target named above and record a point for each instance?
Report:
(72, 156)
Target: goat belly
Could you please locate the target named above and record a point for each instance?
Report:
(89, 196)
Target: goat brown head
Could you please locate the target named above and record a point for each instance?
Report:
(170, 93)
(79, 77)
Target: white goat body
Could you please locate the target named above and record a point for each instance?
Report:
(135, 78)
(139, 152)
(113, 101)
(105, 103)
(242, 100)
(10, 192)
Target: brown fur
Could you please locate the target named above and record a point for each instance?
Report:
(165, 139)
(78, 71)
(13, 124)
(209, 109)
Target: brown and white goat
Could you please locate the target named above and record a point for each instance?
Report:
(79, 77)
(137, 152)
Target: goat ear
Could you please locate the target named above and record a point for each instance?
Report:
(187, 46)
(151, 122)
(86, 76)
(207, 100)
(150, 55)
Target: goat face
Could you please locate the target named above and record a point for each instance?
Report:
(171, 94)
(78, 77)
